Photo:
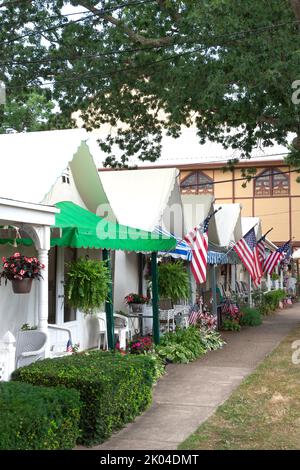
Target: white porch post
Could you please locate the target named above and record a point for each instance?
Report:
(233, 277)
(281, 279)
(276, 282)
(43, 247)
(43, 292)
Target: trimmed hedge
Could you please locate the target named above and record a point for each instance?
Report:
(113, 388)
(37, 418)
(250, 317)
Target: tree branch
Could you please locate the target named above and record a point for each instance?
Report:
(136, 37)
(295, 4)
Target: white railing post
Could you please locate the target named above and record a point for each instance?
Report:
(43, 296)
(7, 356)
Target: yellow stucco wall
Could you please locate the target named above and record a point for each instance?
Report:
(274, 212)
(246, 207)
(295, 211)
(223, 190)
(238, 189)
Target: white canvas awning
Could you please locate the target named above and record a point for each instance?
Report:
(145, 198)
(225, 226)
(249, 222)
(33, 162)
(196, 208)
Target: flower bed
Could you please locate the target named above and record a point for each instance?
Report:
(113, 388)
(38, 418)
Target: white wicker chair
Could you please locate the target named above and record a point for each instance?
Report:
(30, 347)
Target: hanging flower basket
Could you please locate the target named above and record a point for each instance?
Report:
(136, 302)
(21, 286)
(137, 308)
(21, 270)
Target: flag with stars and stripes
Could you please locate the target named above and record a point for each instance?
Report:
(261, 247)
(69, 346)
(274, 258)
(247, 250)
(198, 241)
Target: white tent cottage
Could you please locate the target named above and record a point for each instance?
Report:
(47, 168)
(43, 168)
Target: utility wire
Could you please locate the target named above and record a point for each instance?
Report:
(63, 25)
(233, 35)
(125, 69)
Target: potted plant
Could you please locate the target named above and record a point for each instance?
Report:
(136, 302)
(21, 270)
(173, 282)
(87, 285)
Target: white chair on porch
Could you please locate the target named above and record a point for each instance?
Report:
(30, 347)
(121, 330)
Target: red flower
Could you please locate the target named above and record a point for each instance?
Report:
(16, 255)
(4, 259)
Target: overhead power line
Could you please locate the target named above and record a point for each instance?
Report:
(150, 64)
(103, 12)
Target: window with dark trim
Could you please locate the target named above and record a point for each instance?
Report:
(271, 182)
(197, 182)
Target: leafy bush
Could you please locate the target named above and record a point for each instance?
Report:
(87, 284)
(113, 388)
(231, 325)
(250, 317)
(186, 345)
(173, 281)
(35, 418)
(269, 301)
(211, 339)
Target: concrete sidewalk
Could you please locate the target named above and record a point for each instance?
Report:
(189, 393)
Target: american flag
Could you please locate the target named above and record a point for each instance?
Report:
(274, 258)
(247, 250)
(198, 241)
(261, 247)
(69, 346)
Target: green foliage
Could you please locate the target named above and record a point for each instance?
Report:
(145, 58)
(185, 345)
(275, 276)
(87, 285)
(231, 325)
(38, 418)
(211, 340)
(113, 388)
(269, 301)
(250, 317)
(30, 113)
(173, 281)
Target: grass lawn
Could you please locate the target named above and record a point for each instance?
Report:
(262, 413)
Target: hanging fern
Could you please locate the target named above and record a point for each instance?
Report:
(87, 285)
(173, 281)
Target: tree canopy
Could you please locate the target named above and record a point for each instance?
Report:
(151, 66)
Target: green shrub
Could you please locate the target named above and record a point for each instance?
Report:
(113, 388)
(231, 325)
(250, 317)
(186, 345)
(269, 302)
(36, 418)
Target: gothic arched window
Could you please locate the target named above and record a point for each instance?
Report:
(197, 182)
(271, 182)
